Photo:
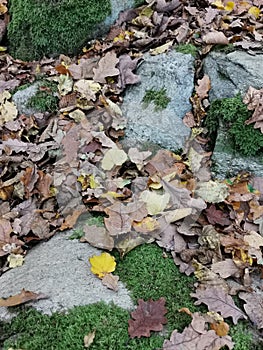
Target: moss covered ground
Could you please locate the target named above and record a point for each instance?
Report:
(147, 274)
(46, 27)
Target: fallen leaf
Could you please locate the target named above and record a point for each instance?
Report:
(212, 191)
(155, 202)
(218, 300)
(196, 336)
(112, 158)
(215, 37)
(110, 281)
(226, 268)
(89, 338)
(65, 84)
(221, 328)
(98, 237)
(23, 297)
(102, 264)
(203, 86)
(253, 307)
(161, 49)
(149, 316)
(15, 260)
(106, 67)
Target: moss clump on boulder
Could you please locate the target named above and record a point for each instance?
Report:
(231, 114)
(51, 27)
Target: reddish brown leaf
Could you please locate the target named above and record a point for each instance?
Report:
(21, 298)
(149, 316)
(215, 216)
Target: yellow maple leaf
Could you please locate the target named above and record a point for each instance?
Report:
(102, 264)
(255, 11)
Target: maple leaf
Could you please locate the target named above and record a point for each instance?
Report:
(218, 300)
(149, 316)
(102, 264)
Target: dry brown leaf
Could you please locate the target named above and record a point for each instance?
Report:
(203, 87)
(111, 281)
(106, 68)
(21, 298)
(218, 300)
(98, 237)
(215, 37)
(196, 336)
(253, 307)
(89, 338)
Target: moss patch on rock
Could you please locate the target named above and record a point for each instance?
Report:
(51, 27)
(231, 114)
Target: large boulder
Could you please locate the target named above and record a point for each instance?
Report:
(169, 75)
(60, 269)
(231, 74)
(52, 27)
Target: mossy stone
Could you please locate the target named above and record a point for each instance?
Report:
(51, 27)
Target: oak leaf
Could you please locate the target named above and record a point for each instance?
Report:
(218, 300)
(196, 336)
(149, 316)
(253, 307)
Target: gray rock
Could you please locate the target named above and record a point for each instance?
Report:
(174, 72)
(60, 269)
(21, 98)
(230, 74)
(227, 162)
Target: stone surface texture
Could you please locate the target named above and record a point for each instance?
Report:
(230, 74)
(21, 98)
(60, 269)
(174, 72)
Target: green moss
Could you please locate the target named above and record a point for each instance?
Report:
(39, 28)
(148, 275)
(45, 99)
(224, 48)
(187, 49)
(94, 219)
(138, 2)
(233, 113)
(158, 97)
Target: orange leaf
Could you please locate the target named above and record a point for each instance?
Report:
(221, 328)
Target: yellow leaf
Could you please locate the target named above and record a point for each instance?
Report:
(230, 6)
(218, 4)
(255, 11)
(93, 182)
(3, 48)
(102, 264)
(161, 49)
(147, 224)
(113, 157)
(155, 202)
(15, 260)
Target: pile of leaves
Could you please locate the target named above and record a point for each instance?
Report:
(56, 166)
